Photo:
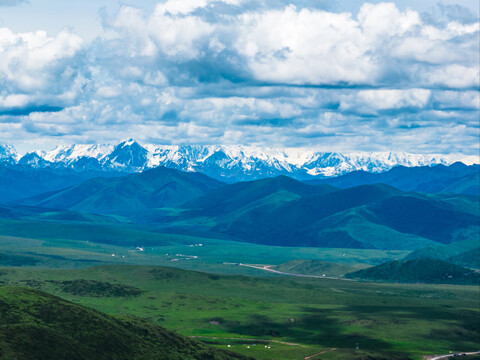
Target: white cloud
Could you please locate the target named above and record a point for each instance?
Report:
(370, 101)
(170, 34)
(13, 100)
(467, 100)
(385, 20)
(175, 7)
(32, 62)
(305, 47)
(109, 91)
(454, 76)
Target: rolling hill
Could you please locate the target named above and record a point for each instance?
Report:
(469, 258)
(279, 189)
(36, 325)
(430, 271)
(272, 211)
(463, 253)
(156, 188)
(368, 216)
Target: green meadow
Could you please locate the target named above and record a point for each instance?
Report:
(390, 321)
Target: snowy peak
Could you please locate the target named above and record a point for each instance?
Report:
(8, 153)
(128, 154)
(34, 159)
(71, 153)
(228, 163)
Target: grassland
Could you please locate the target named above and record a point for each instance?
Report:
(388, 321)
(76, 247)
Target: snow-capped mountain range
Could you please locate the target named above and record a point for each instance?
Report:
(229, 163)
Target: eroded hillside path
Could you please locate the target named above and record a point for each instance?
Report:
(439, 357)
(268, 268)
(258, 340)
(322, 352)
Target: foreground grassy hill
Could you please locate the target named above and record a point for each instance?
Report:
(35, 326)
(431, 271)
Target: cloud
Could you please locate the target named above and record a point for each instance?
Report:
(454, 76)
(304, 47)
(372, 101)
(252, 72)
(36, 70)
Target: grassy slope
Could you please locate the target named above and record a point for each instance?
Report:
(36, 325)
(389, 321)
(420, 270)
(236, 196)
(357, 223)
(315, 267)
(469, 258)
(464, 253)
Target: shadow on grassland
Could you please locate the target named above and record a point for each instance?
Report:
(455, 328)
(315, 328)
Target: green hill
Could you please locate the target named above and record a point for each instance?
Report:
(285, 223)
(429, 271)
(464, 252)
(156, 188)
(36, 325)
(368, 216)
(428, 217)
(237, 196)
(469, 258)
(274, 211)
(360, 226)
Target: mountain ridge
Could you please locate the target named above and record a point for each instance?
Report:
(226, 162)
(456, 178)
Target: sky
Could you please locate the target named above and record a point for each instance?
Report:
(344, 76)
